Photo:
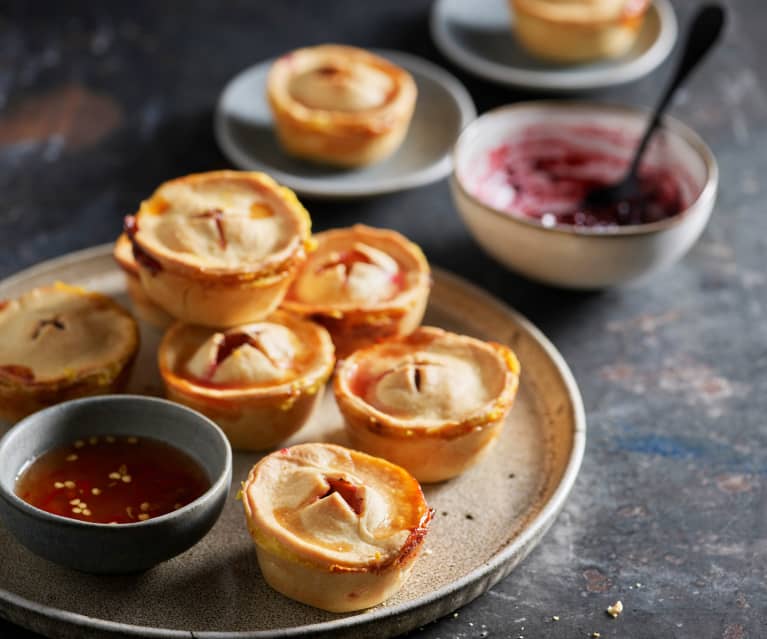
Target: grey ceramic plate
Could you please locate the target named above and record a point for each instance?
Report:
(215, 589)
(479, 37)
(244, 131)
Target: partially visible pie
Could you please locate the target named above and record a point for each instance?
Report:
(363, 284)
(144, 307)
(260, 382)
(340, 105)
(573, 31)
(334, 528)
(61, 342)
(432, 402)
(219, 248)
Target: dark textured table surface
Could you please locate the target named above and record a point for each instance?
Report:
(100, 102)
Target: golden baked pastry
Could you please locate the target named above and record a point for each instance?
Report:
(61, 342)
(340, 105)
(259, 382)
(334, 528)
(432, 402)
(145, 308)
(363, 284)
(573, 31)
(219, 248)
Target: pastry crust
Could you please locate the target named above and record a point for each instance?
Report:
(432, 402)
(572, 31)
(61, 342)
(144, 307)
(340, 105)
(334, 528)
(259, 382)
(363, 284)
(219, 248)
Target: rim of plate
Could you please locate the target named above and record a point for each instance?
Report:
(535, 528)
(314, 187)
(564, 79)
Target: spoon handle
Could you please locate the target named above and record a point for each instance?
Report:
(702, 35)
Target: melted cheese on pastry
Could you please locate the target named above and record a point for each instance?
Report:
(360, 274)
(253, 354)
(339, 85)
(223, 220)
(62, 331)
(336, 505)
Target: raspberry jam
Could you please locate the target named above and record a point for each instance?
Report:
(545, 174)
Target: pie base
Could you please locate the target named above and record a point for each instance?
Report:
(352, 330)
(214, 303)
(254, 423)
(16, 402)
(429, 459)
(572, 42)
(331, 591)
(337, 149)
(144, 307)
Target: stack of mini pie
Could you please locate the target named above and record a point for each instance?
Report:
(258, 313)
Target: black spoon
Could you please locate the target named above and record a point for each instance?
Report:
(702, 35)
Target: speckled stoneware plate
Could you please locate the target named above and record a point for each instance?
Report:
(485, 522)
(245, 132)
(479, 37)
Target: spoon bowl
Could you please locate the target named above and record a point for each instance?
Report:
(703, 34)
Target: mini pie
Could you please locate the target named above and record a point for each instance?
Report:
(334, 528)
(432, 402)
(219, 248)
(363, 284)
(573, 31)
(145, 308)
(260, 382)
(340, 105)
(61, 342)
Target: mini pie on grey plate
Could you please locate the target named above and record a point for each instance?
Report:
(340, 105)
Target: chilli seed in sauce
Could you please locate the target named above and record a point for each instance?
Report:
(108, 479)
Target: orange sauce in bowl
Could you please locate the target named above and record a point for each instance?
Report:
(109, 479)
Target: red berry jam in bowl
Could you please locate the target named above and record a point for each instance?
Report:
(544, 172)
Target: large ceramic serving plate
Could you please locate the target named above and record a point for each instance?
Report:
(485, 521)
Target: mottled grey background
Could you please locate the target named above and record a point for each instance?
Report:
(102, 101)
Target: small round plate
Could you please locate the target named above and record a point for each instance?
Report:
(479, 37)
(244, 131)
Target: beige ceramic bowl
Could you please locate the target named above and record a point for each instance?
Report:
(578, 257)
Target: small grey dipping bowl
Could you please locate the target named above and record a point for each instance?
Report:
(104, 548)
